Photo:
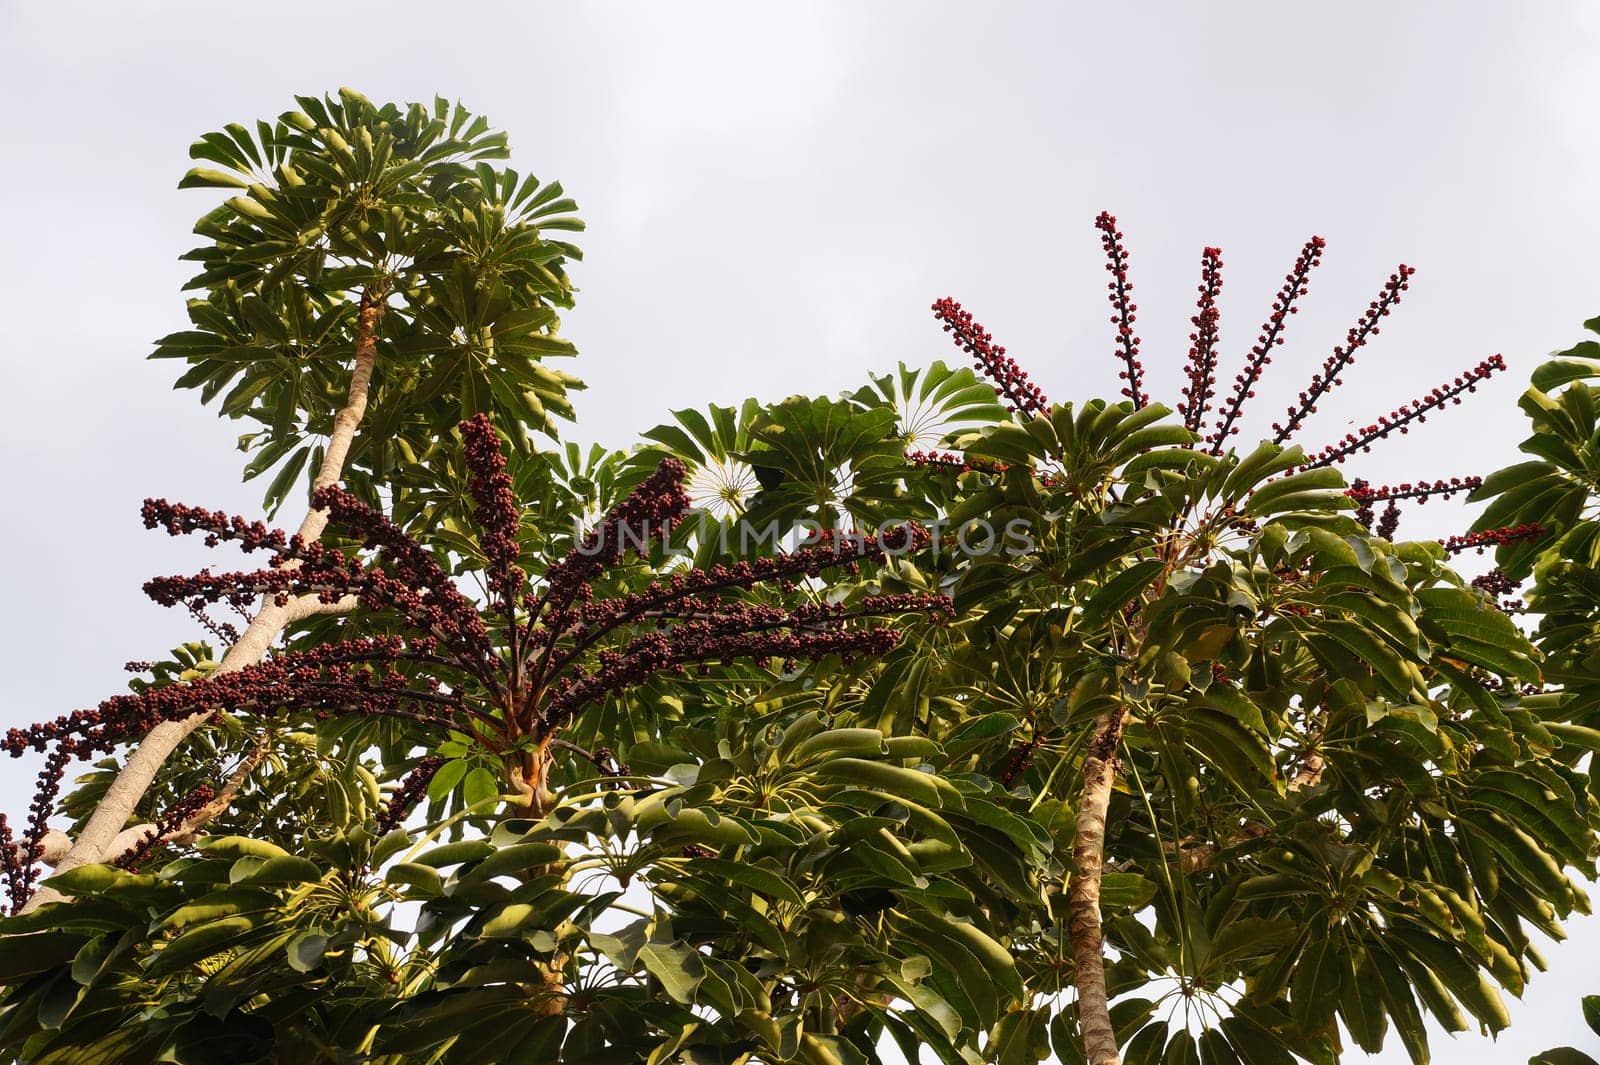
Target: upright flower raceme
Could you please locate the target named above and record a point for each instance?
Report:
(1202, 365)
(1345, 354)
(1010, 382)
(1120, 292)
(1295, 285)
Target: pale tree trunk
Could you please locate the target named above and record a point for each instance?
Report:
(97, 841)
(1083, 891)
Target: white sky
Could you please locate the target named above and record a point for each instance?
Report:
(774, 198)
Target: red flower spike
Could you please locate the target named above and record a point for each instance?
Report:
(1010, 382)
(170, 822)
(1487, 538)
(410, 791)
(1201, 368)
(1390, 521)
(1416, 411)
(1421, 491)
(1294, 286)
(11, 867)
(645, 516)
(496, 511)
(1120, 292)
(946, 460)
(1332, 369)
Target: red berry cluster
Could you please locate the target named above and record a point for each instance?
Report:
(1361, 492)
(1389, 523)
(1020, 760)
(1201, 368)
(1120, 293)
(1294, 286)
(169, 822)
(1483, 540)
(1500, 588)
(11, 866)
(1011, 384)
(948, 460)
(1401, 418)
(1496, 583)
(1345, 354)
(496, 511)
(410, 791)
(1421, 491)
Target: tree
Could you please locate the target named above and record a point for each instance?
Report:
(803, 726)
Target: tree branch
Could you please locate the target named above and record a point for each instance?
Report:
(230, 790)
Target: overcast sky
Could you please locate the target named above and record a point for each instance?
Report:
(774, 197)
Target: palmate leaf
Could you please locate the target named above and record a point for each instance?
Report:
(932, 404)
(820, 459)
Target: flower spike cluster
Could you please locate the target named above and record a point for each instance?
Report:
(565, 645)
(1120, 293)
(1200, 372)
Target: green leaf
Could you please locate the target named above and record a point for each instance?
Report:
(1562, 1056)
(1126, 891)
(288, 869)
(755, 877)
(481, 784)
(306, 951)
(232, 848)
(467, 850)
(445, 780)
(1021, 1038)
(1120, 590)
(896, 780)
(678, 967)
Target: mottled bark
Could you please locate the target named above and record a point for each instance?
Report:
(1083, 891)
(224, 798)
(1309, 774)
(98, 840)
